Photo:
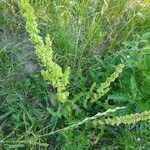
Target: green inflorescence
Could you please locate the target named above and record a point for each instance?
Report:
(128, 119)
(105, 87)
(52, 72)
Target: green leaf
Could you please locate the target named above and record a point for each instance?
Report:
(146, 87)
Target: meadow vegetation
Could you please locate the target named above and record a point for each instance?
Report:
(75, 74)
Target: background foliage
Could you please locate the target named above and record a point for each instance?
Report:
(92, 37)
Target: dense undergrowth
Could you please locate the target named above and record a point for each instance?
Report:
(102, 101)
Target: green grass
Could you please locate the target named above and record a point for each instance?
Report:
(92, 37)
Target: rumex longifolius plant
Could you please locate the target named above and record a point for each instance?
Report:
(127, 119)
(52, 72)
(105, 87)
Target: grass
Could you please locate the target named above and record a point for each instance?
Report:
(92, 37)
